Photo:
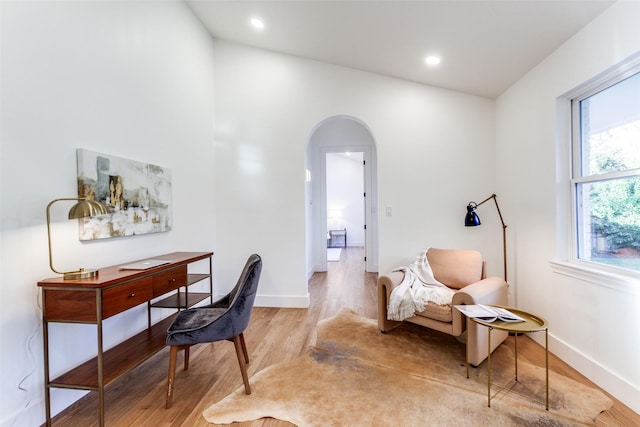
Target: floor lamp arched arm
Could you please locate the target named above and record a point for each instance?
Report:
(504, 232)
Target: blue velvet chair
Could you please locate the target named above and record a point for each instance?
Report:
(225, 319)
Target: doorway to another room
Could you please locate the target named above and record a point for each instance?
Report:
(345, 193)
(341, 222)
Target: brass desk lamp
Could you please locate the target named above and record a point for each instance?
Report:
(84, 208)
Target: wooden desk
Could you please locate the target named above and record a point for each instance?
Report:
(114, 291)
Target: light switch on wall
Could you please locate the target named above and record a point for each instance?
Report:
(389, 211)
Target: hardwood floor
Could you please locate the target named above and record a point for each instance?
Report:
(274, 335)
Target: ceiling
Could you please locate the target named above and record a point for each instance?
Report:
(485, 46)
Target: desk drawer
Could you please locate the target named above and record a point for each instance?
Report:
(120, 298)
(70, 305)
(170, 280)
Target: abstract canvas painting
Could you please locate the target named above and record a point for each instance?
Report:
(137, 194)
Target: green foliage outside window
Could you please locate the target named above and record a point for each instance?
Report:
(618, 218)
(615, 204)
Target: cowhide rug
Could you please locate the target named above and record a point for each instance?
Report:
(410, 376)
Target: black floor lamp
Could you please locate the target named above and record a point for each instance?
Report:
(472, 220)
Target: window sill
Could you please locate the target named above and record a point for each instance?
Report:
(620, 281)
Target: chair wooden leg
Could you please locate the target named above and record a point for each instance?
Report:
(186, 357)
(237, 341)
(173, 354)
(244, 348)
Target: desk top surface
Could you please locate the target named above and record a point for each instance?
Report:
(114, 274)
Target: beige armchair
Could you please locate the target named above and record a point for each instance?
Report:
(464, 272)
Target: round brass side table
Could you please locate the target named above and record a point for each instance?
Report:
(532, 323)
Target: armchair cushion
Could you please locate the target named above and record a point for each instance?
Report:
(442, 313)
(455, 268)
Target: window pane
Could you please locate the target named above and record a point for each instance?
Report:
(609, 222)
(610, 128)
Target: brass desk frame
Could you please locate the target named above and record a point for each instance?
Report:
(92, 300)
(532, 323)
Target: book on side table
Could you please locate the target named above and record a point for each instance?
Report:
(488, 313)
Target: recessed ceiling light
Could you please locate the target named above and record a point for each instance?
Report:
(257, 23)
(432, 60)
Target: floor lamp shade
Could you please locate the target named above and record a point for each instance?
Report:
(83, 208)
(471, 219)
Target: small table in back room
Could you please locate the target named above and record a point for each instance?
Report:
(532, 323)
(337, 238)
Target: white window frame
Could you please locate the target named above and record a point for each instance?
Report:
(569, 135)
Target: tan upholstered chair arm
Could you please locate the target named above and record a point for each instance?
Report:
(486, 291)
(491, 290)
(386, 284)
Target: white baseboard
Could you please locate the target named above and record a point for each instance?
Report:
(277, 301)
(614, 384)
(283, 301)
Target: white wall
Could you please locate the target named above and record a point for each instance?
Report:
(345, 195)
(131, 79)
(594, 322)
(435, 152)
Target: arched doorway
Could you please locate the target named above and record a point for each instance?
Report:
(339, 134)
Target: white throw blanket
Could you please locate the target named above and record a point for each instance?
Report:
(416, 290)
